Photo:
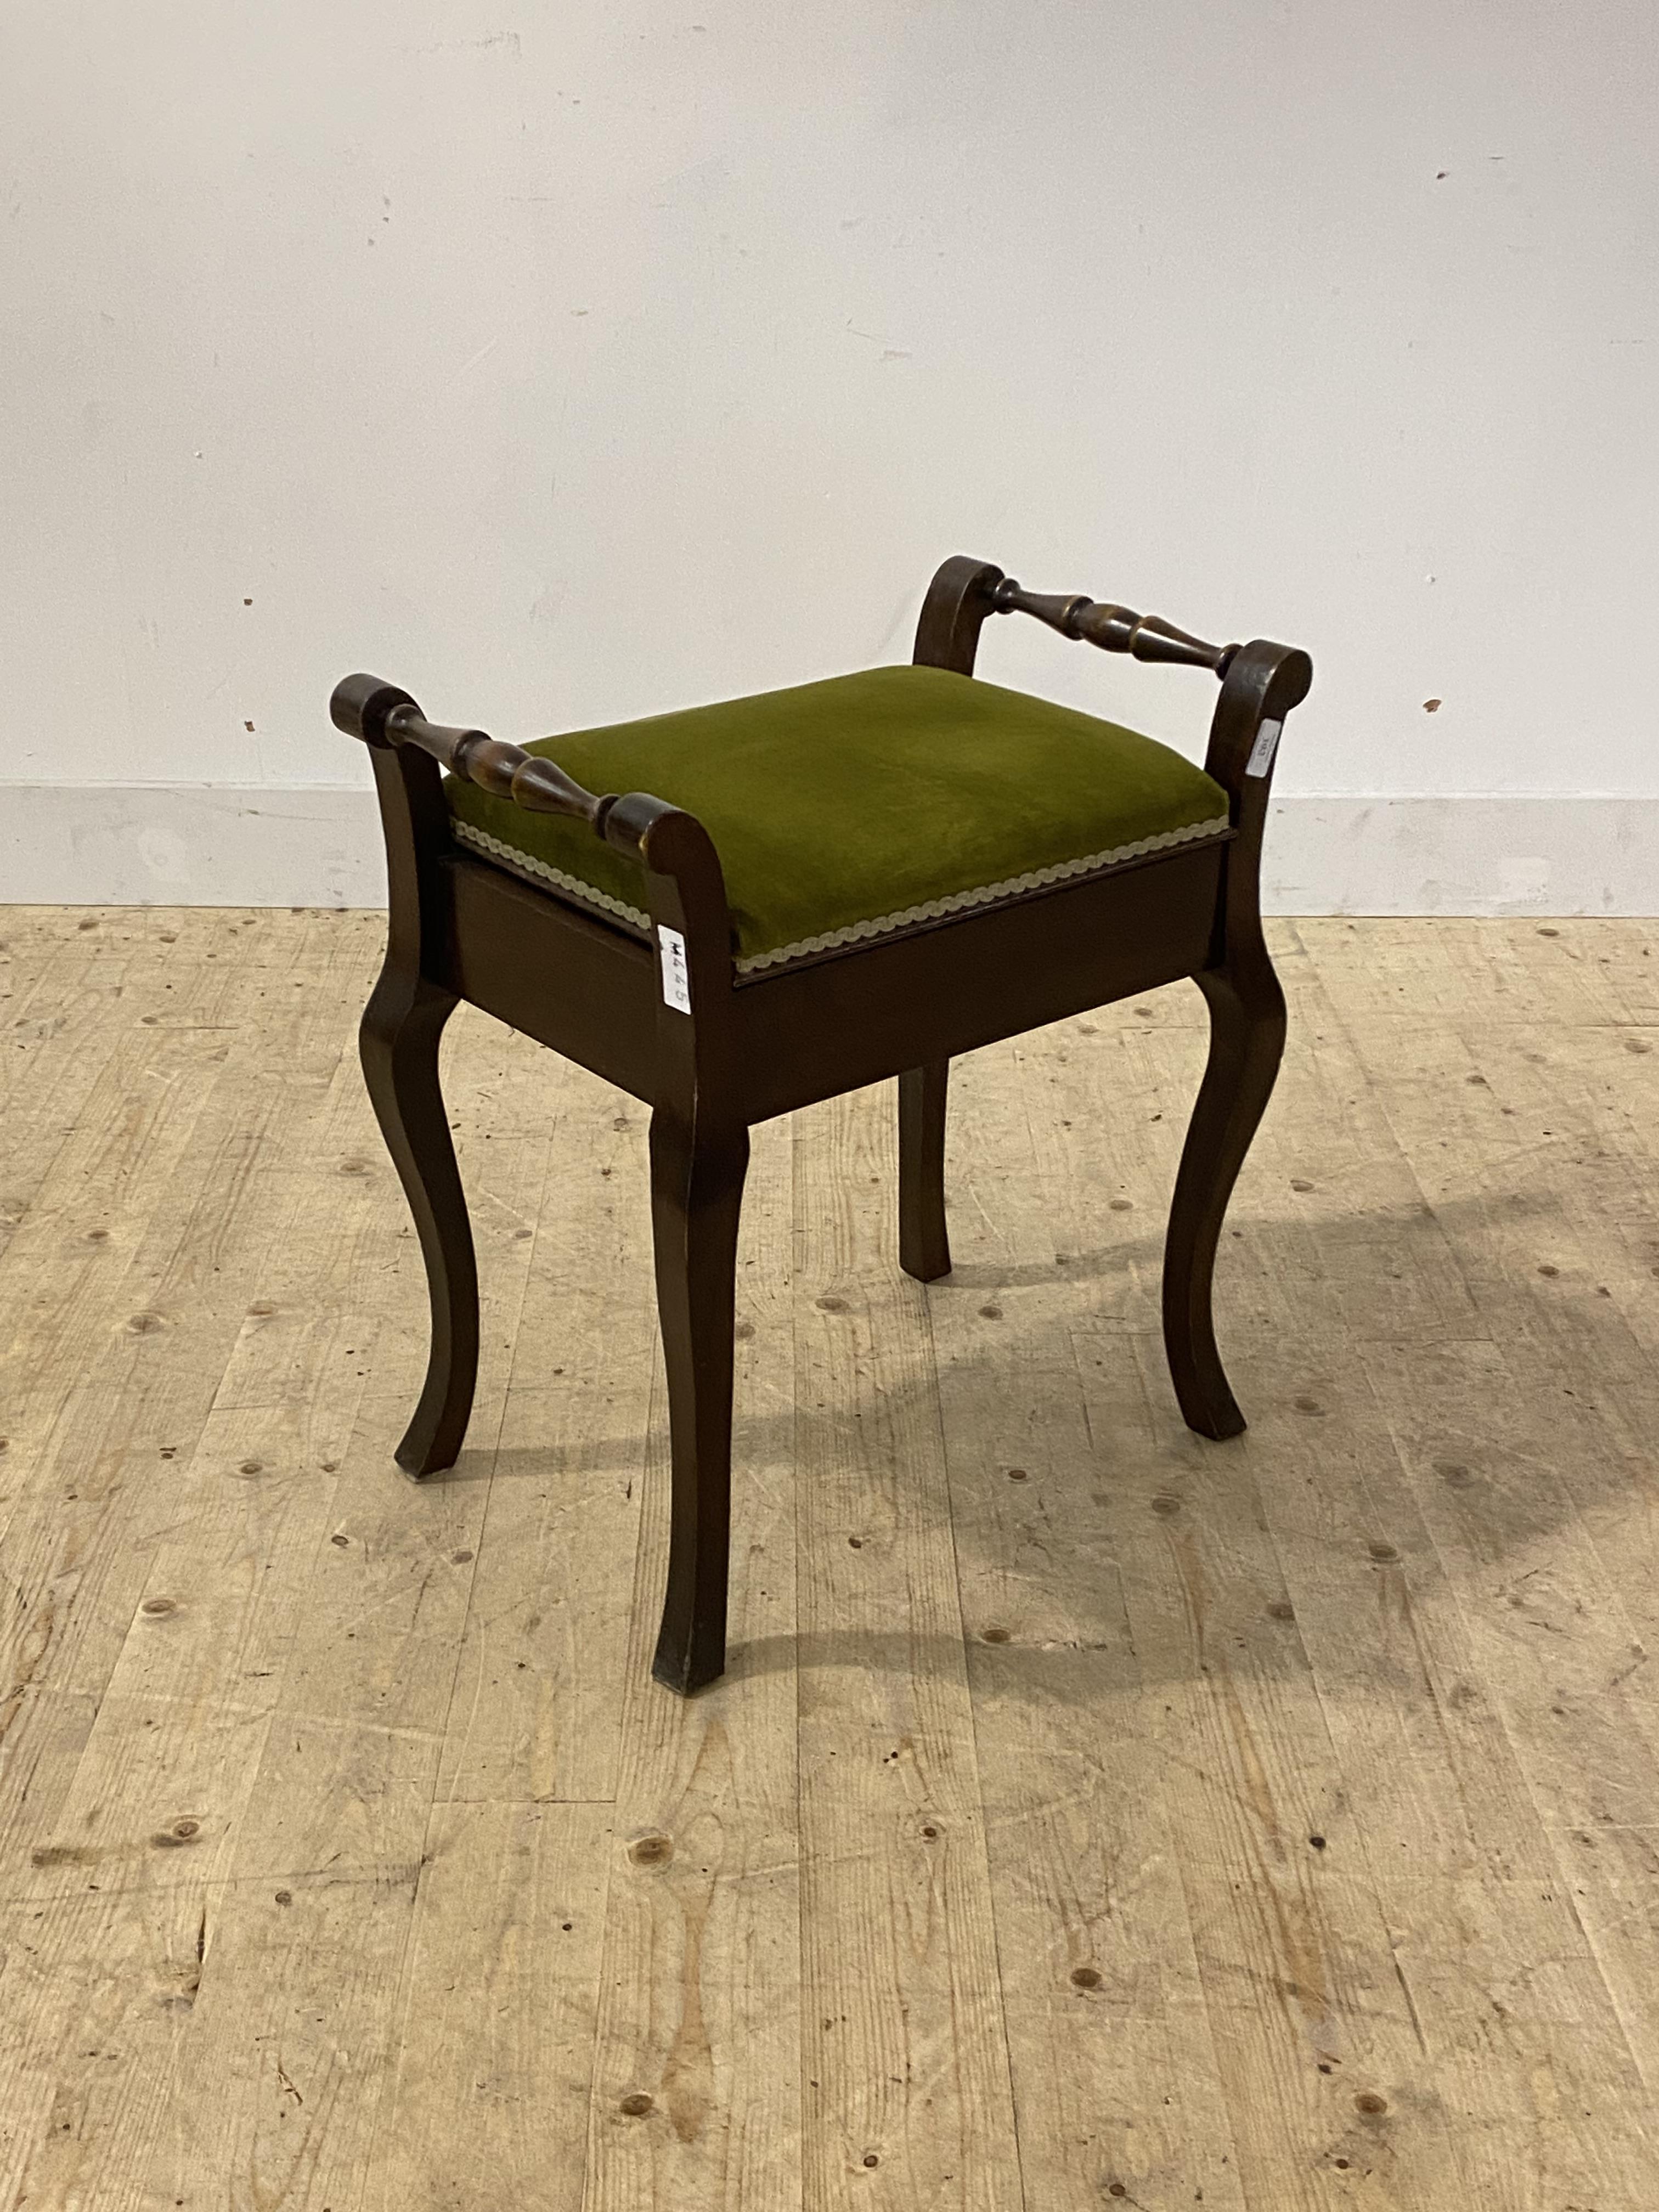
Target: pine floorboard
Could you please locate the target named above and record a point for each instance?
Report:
(1089, 1814)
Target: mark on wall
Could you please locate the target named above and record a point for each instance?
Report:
(509, 40)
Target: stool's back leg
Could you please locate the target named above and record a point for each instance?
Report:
(1247, 1037)
(924, 1246)
(696, 1194)
(957, 605)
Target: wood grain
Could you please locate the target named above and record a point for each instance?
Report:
(1089, 1814)
(697, 2089)
(496, 2014)
(1115, 2076)
(905, 2050)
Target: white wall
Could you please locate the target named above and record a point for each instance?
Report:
(564, 364)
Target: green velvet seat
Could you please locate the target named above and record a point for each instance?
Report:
(865, 805)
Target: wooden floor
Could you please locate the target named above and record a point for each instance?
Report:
(1089, 1813)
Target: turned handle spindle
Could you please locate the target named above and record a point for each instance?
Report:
(1113, 629)
(382, 714)
(539, 786)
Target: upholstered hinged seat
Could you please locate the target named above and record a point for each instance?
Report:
(868, 804)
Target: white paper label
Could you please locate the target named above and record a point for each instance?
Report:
(675, 977)
(1262, 751)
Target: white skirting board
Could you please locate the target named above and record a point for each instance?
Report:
(319, 845)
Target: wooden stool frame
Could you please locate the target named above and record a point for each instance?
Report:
(749, 1048)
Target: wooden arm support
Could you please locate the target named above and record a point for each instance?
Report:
(1261, 682)
(382, 714)
(1113, 629)
(1264, 682)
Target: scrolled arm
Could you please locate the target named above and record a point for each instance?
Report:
(1263, 684)
(382, 714)
(1113, 628)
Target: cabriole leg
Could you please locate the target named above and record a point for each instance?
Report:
(401, 1027)
(696, 1195)
(924, 1246)
(1247, 1037)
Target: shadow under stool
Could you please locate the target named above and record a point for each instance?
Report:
(846, 881)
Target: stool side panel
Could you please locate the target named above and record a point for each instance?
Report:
(821, 1028)
(587, 990)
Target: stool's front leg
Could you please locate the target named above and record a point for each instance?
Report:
(696, 1194)
(699, 1156)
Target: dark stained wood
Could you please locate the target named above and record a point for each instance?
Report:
(1247, 1039)
(699, 1156)
(587, 988)
(959, 599)
(399, 1041)
(924, 1244)
(366, 707)
(1247, 1031)
(953, 613)
(696, 1193)
(963, 593)
(810, 1030)
(1113, 628)
(821, 1026)
(666, 1016)
(1263, 682)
